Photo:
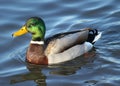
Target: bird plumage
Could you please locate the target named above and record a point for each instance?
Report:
(57, 48)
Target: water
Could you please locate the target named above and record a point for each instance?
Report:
(100, 67)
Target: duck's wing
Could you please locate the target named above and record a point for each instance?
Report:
(61, 35)
(63, 41)
(70, 53)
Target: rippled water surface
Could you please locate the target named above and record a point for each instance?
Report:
(100, 67)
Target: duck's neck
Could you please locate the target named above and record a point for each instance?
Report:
(35, 53)
(40, 43)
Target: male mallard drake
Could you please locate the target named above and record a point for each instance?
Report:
(58, 48)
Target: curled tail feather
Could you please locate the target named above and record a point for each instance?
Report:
(93, 36)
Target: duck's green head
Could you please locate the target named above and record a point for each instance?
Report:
(35, 26)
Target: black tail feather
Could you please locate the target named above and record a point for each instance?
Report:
(92, 34)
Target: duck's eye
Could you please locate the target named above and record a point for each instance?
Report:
(29, 26)
(33, 24)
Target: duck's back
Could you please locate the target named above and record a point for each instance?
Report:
(62, 42)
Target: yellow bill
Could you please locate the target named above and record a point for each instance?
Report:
(20, 32)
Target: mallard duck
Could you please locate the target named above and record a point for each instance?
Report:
(58, 48)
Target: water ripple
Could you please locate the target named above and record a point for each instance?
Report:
(61, 16)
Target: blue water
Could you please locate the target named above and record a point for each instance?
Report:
(100, 67)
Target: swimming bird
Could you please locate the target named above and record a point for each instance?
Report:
(58, 48)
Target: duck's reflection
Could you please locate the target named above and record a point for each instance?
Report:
(35, 75)
(64, 69)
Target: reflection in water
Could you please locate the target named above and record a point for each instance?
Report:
(36, 71)
(35, 74)
(63, 69)
(61, 16)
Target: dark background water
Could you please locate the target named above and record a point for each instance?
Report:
(100, 67)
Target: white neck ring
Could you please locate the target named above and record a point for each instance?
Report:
(37, 42)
